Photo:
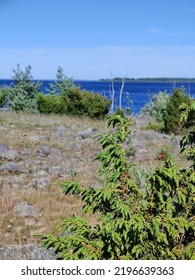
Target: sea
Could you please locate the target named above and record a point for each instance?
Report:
(135, 94)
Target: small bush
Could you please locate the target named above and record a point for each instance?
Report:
(23, 92)
(76, 101)
(157, 106)
(172, 114)
(95, 105)
(156, 126)
(62, 83)
(164, 153)
(3, 95)
(48, 104)
(73, 100)
(120, 112)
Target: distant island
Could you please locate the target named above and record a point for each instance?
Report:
(163, 79)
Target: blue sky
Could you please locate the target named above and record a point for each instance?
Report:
(133, 38)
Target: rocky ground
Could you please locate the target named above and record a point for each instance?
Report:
(37, 152)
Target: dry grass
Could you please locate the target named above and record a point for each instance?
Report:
(16, 131)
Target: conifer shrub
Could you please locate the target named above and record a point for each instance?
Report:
(94, 104)
(188, 122)
(152, 221)
(120, 112)
(73, 100)
(76, 101)
(171, 116)
(4, 91)
(51, 104)
(62, 83)
(23, 92)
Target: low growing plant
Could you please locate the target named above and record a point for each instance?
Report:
(152, 221)
(51, 104)
(4, 91)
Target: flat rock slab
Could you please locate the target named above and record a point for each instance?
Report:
(44, 151)
(39, 138)
(3, 148)
(89, 132)
(25, 252)
(10, 155)
(24, 209)
(12, 167)
(60, 132)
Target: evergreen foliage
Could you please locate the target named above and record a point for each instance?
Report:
(188, 121)
(155, 221)
(65, 98)
(94, 104)
(171, 115)
(62, 83)
(23, 93)
(4, 91)
(120, 112)
(51, 104)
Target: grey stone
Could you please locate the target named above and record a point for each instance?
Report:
(86, 133)
(12, 167)
(39, 138)
(24, 209)
(10, 155)
(27, 151)
(43, 151)
(43, 183)
(26, 252)
(60, 131)
(3, 148)
(57, 170)
(55, 158)
(42, 173)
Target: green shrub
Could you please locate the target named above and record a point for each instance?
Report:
(188, 141)
(157, 106)
(156, 126)
(120, 112)
(171, 116)
(151, 221)
(73, 100)
(23, 92)
(4, 91)
(77, 101)
(95, 105)
(62, 83)
(51, 104)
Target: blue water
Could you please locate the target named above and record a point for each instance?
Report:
(139, 93)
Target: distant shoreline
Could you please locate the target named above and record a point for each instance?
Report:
(127, 80)
(152, 80)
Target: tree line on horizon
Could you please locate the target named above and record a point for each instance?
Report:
(147, 79)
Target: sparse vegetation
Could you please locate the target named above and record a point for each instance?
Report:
(114, 226)
(152, 222)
